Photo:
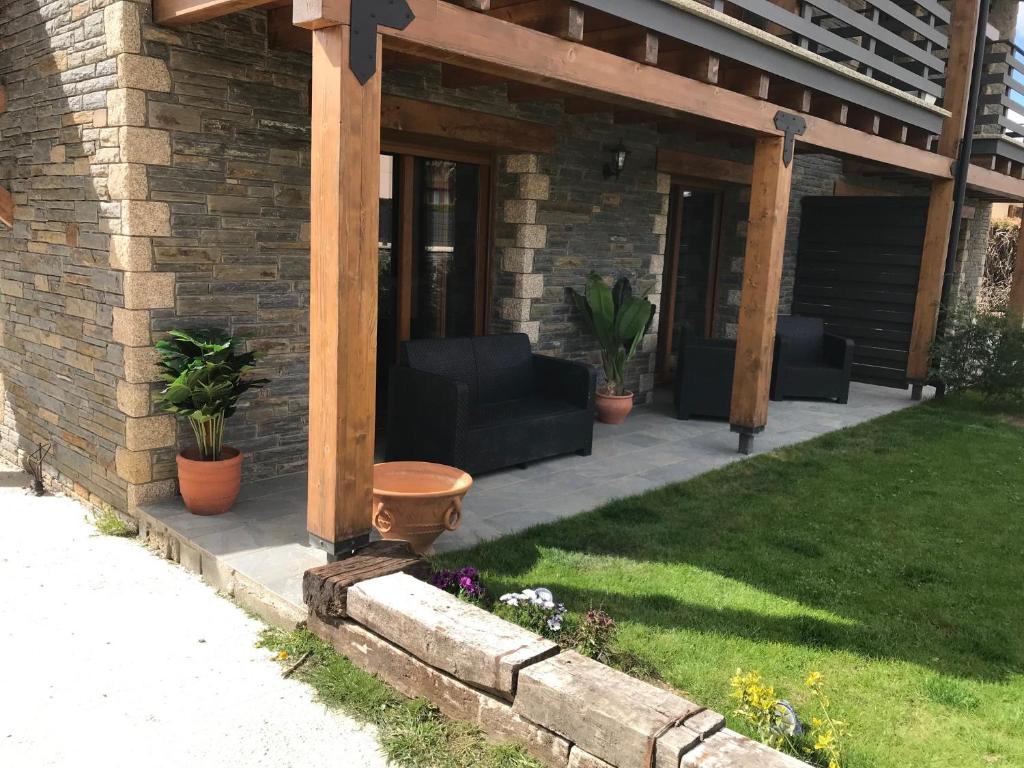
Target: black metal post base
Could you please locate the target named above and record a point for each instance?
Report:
(747, 435)
(339, 550)
(916, 392)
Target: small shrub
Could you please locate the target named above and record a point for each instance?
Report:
(775, 721)
(999, 265)
(109, 523)
(594, 636)
(983, 352)
(535, 610)
(464, 584)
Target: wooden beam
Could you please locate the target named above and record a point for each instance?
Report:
(929, 283)
(3, 99)
(700, 167)
(746, 80)
(282, 35)
(449, 33)
(179, 12)
(1015, 306)
(759, 299)
(694, 63)
(344, 197)
(630, 42)
(963, 25)
(466, 126)
(790, 94)
(6, 207)
(522, 92)
(556, 17)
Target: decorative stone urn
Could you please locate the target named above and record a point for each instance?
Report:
(416, 501)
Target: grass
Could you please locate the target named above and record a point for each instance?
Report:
(108, 523)
(411, 732)
(889, 557)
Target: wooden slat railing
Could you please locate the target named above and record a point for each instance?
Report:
(901, 43)
(1002, 91)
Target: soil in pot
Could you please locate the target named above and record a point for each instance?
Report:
(613, 409)
(416, 501)
(209, 487)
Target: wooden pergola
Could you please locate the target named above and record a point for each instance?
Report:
(544, 45)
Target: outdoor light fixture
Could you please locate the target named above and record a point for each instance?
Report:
(618, 163)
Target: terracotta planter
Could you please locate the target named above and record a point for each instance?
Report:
(613, 409)
(209, 487)
(415, 501)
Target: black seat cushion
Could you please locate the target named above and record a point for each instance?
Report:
(451, 358)
(527, 409)
(804, 336)
(504, 366)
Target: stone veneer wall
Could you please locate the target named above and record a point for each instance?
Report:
(76, 278)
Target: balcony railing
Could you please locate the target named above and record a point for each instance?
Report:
(900, 43)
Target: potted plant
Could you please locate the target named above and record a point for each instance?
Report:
(619, 320)
(205, 377)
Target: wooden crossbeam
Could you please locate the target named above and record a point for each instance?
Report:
(759, 299)
(789, 94)
(702, 167)
(630, 42)
(449, 33)
(694, 63)
(556, 17)
(282, 35)
(179, 12)
(460, 77)
(6, 207)
(743, 79)
(466, 126)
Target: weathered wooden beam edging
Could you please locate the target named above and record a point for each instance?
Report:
(325, 589)
(449, 634)
(566, 710)
(6, 207)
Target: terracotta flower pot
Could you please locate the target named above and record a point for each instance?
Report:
(415, 501)
(613, 409)
(209, 487)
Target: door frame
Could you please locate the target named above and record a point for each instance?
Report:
(405, 154)
(670, 271)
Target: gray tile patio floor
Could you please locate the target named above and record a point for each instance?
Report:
(264, 536)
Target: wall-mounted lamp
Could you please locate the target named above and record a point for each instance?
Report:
(619, 154)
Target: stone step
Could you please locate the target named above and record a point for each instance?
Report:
(605, 712)
(469, 643)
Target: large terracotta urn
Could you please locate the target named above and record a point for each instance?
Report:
(209, 487)
(416, 501)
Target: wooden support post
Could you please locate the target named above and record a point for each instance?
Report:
(929, 283)
(963, 25)
(345, 191)
(759, 301)
(1015, 307)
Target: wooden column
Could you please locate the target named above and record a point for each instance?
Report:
(762, 277)
(345, 191)
(962, 31)
(1015, 307)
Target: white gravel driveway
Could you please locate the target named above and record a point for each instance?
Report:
(110, 656)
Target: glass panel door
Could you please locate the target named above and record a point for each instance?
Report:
(445, 250)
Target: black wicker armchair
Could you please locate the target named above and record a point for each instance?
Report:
(809, 362)
(703, 380)
(486, 403)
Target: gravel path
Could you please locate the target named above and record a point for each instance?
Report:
(110, 656)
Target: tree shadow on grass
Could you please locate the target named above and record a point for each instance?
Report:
(909, 529)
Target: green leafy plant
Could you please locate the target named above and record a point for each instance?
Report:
(205, 376)
(594, 636)
(618, 319)
(984, 352)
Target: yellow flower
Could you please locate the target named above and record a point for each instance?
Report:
(814, 680)
(282, 655)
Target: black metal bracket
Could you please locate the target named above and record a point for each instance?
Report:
(792, 126)
(339, 550)
(747, 435)
(366, 16)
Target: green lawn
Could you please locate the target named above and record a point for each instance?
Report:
(889, 557)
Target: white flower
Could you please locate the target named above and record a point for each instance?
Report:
(555, 623)
(510, 599)
(547, 605)
(544, 594)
